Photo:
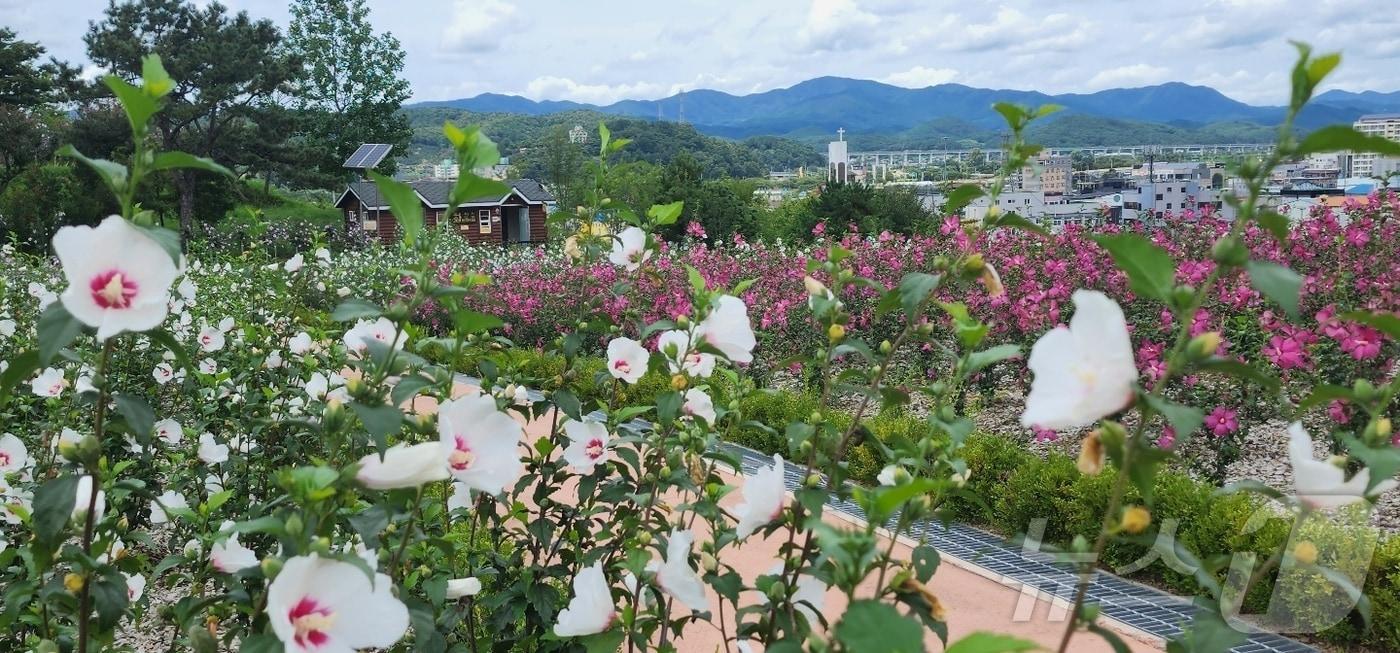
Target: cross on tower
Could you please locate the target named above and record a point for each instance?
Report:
(840, 133)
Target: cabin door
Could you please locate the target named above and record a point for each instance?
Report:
(522, 225)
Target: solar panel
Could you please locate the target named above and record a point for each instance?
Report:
(367, 156)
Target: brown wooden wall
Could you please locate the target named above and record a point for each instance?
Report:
(464, 220)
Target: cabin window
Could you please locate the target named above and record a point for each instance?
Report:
(483, 220)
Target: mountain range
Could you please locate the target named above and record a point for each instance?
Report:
(817, 107)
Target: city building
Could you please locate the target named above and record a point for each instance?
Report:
(578, 135)
(1052, 175)
(1375, 124)
(447, 169)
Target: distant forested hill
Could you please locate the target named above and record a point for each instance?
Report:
(522, 136)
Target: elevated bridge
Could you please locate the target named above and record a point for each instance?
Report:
(907, 158)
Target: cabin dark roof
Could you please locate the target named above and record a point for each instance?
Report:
(366, 191)
(435, 192)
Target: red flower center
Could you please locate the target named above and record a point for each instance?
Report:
(311, 621)
(622, 366)
(112, 289)
(462, 457)
(594, 450)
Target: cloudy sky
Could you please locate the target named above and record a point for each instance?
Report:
(600, 52)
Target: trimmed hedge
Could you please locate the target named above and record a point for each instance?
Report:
(1018, 487)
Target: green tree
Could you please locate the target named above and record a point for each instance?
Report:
(563, 167)
(44, 197)
(900, 210)
(227, 66)
(840, 206)
(351, 87)
(29, 93)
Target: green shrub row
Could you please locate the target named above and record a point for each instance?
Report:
(1018, 487)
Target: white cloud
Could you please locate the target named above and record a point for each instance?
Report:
(836, 25)
(1138, 74)
(919, 77)
(562, 88)
(478, 26)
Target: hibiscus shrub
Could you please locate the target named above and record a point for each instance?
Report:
(284, 455)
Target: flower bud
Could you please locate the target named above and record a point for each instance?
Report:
(886, 347)
(683, 321)
(777, 591)
(1305, 552)
(1091, 454)
(708, 562)
(1136, 519)
(643, 538)
(678, 382)
(1204, 346)
(73, 582)
(1230, 251)
(88, 449)
(293, 526)
(813, 480)
(1380, 429)
(271, 566)
(991, 280)
(321, 545)
(836, 333)
(974, 265)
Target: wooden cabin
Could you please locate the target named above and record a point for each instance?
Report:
(516, 217)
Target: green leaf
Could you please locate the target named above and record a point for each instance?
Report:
(961, 197)
(982, 642)
(1387, 323)
(139, 106)
(261, 644)
(140, 419)
(1184, 419)
(1208, 632)
(1014, 114)
(1151, 270)
(468, 321)
(1275, 223)
(1343, 137)
(470, 187)
(408, 387)
(568, 404)
(914, 288)
(404, 203)
(57, 329)
(926, 560)
(1231, 367)
(22, 367)
(664, 214)
(1012, 220)
(168, 239)
(179, 160)
(112, 173)
(980, 359)
(873, 627)
(380, 421)
(1114, 641)
(608, 641)
(163, 338)
(109, 597)
(1277, 283)
(889, 498)
(53, 506)
(355, 309)
(1324, 393)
